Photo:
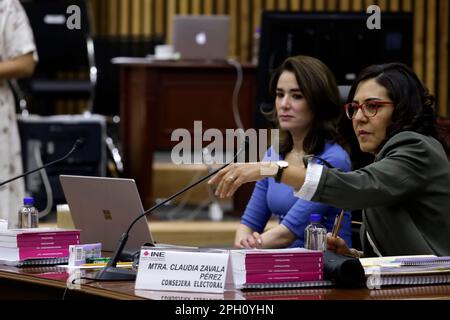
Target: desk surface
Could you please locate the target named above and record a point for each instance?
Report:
(51, 283)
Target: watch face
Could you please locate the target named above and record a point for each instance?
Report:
(282, 164)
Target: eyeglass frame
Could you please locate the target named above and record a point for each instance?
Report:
(361, 106)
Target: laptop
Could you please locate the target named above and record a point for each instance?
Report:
(201, 37)
(103, 209)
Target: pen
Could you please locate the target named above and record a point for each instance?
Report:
(102, 264)
(337, 224)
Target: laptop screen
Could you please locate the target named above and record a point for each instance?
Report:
(103, 209)
(198, 37)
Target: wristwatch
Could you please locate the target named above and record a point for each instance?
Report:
(281, 166)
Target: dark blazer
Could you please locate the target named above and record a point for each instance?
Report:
(404, 194)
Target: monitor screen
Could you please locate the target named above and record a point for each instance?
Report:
(341, 40)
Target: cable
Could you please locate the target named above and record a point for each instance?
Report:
(182, 204)
(213, 201)
(45, 181)
(64, 293)
(237, 88)
(237, 119)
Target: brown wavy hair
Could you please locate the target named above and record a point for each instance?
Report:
(318, 86)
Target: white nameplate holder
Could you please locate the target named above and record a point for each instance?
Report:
(193, 270)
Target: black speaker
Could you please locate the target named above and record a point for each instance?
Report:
(344, 271)
(45, 139)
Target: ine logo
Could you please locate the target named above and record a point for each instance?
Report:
(374, 21)
(74, 18)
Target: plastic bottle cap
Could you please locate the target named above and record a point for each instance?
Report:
(315, 217)
(28, 200)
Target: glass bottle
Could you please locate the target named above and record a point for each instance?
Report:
(29, 215)
(315, 234)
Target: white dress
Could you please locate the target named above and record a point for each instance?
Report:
(16, 39)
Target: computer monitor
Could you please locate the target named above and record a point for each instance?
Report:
(341, 40)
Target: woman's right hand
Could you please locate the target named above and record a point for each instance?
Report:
(251, 241)
(337, 245)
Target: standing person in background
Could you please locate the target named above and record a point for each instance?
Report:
(306, 112)
(17, 60)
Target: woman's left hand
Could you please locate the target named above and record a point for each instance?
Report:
(229, 179)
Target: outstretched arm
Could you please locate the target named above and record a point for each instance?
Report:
(232, 177)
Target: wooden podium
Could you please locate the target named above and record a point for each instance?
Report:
(158, 97)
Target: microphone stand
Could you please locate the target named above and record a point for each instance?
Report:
(76, 146)
(110, 272)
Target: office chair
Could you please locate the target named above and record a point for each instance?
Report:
(66, 71)
(343, 94)
(63, 53)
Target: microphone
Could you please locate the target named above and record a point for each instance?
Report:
(110, 272)
(77, 145)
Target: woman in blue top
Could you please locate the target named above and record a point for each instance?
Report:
(306, 112)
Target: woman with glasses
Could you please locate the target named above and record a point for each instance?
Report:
(405, 192)
(306, 112)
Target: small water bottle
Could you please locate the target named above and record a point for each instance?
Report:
(315, 234)
(28, 214)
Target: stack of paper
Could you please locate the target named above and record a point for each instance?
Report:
(406, 270)
(277, 268)
(36, 246)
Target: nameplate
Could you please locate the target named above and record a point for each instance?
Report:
(182, 270)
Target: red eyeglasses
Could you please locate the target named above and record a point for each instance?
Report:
(369, 108)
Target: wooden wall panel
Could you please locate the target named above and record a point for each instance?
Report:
(394, 5)
(344, 5)
(430, 63)
(196, 7)
(282, 4)
(184, 6)
(332, 5)
(221, 6)
(124, 17)
(295, 5)
(443, 68)
(235, 44)
(147, 13)
(358, 5)
(113, 17)
(418, 40)
(319, 5)
(270, 5)
(246, 35)
(159, 17)
(307, 5)
(154, 17)
(407, 5)
(136, 18)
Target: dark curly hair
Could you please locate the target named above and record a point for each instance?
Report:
(414, 105)
(319, 88)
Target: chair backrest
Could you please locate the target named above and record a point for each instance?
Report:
(59, 48)
(343, 93)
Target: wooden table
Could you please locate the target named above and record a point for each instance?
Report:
(50, 283)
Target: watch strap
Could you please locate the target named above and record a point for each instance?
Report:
(279, 174)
